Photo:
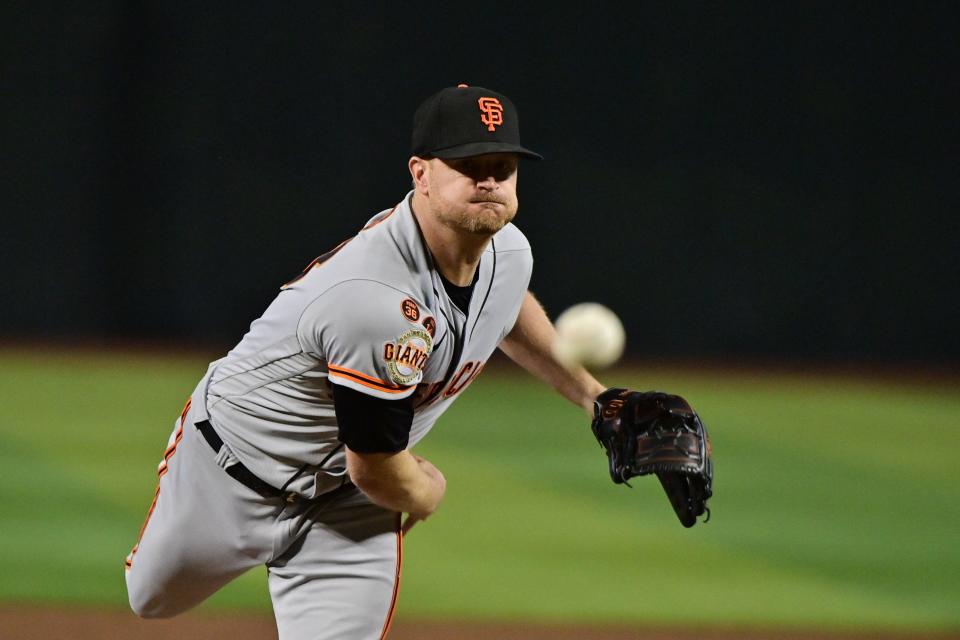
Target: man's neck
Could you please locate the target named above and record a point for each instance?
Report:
(456, 254)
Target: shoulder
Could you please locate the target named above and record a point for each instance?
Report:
(371, 335)
(364, 302)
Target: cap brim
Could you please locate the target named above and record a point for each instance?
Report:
(480, 148)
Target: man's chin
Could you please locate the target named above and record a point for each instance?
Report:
(486, 229)
(490, 221)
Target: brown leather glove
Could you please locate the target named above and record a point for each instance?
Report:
(646, 432)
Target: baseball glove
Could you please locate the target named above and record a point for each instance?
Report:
(646, 432)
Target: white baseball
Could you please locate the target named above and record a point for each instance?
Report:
(588, 334)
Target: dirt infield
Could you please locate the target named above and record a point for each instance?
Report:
(32, 623)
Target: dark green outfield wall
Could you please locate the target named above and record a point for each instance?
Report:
(733, 179)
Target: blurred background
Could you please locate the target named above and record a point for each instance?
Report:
(769, 189)
(784, 176)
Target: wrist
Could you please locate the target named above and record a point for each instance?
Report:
(593, 390)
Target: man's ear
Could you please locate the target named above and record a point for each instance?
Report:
(420, 172)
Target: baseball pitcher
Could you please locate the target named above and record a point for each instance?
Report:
(295, 449)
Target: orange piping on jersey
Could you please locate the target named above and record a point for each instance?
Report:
(316, 262)
(161, 471)
(365, 380)
(376, 222)
(319, 260)
(396, 583)
(153, 505)
(176, 440)
(183, 414)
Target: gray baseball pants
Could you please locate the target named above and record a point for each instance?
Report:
(333, 564)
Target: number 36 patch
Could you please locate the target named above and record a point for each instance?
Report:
(407, 355)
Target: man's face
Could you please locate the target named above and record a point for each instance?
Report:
(476, 194)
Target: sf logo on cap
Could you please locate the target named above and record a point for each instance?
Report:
(491, 112)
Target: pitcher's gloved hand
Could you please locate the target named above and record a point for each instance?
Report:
(646, 432)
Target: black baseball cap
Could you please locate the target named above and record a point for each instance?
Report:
(463, 121)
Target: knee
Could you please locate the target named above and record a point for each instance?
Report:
(147, 613)
(149, 608)
(144, 610)
(149, 603)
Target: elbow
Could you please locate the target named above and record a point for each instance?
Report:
(362, 476)
(376, 477)
(386, 492)
(365, 481)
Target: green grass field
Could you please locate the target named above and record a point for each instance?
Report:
(836, 500)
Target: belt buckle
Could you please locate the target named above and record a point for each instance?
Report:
(291, 497)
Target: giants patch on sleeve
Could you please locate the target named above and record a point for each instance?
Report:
(407, 355)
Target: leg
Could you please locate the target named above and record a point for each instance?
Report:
(203, 530)
(340, 578)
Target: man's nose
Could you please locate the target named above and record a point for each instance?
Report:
(489, 182)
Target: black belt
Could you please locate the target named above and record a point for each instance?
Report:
(239, 472)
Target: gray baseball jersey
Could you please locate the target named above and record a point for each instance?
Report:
(372, 316)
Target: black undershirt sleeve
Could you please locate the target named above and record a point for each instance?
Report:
(372, 425)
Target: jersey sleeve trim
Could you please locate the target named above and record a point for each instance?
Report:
(351, 378)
